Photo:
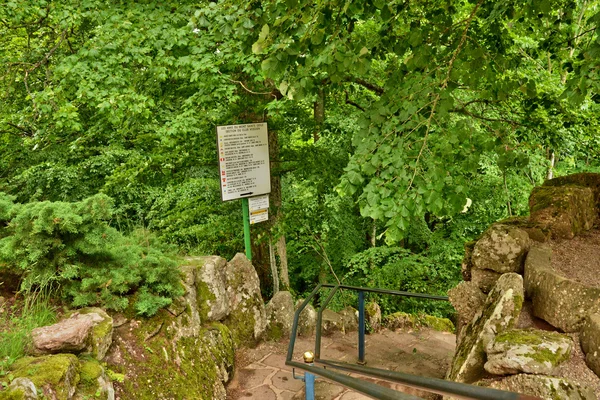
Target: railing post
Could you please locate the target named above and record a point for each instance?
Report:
(309, 379)
(361, 327)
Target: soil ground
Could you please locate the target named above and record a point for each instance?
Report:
(578, 258)
(261, 373)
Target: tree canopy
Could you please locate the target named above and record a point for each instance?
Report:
(387, 115)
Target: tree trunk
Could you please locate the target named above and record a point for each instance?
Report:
(319, 114)
(276, 212)
(551, 166)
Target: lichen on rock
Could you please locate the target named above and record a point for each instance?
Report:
(502, 248)
(544, 387)
(499, 313)
(280, 315)
(530, 351)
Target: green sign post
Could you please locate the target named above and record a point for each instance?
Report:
(247, 243)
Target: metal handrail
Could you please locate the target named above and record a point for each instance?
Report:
(433, 385)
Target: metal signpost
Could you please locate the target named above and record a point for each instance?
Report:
(244, 171)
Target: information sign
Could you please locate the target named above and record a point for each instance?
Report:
(244, 168)
(259, 208)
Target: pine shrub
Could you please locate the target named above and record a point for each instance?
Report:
(73, 245)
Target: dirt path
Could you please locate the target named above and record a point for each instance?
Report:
(261, 373)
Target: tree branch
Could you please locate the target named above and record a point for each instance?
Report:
(368, 85)
(348, 101)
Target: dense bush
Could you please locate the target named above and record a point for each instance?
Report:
(72, 246)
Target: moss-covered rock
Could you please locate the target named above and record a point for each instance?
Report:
(402, 320)
(20, 389)
(584, 179)
(247, 318)
(590, 342)
(280, 315)
(531, 351)
(544, 387)
(100, 337)
(499, 313)
(562, 302)
(93, 382)
(56, 375)
(211, 285)
(158, 363)
(564, 210)
(502, 248)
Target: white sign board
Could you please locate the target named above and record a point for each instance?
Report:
(259, 208)
(258, 203)
(244, 168)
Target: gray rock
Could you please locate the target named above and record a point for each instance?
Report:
(530, 351)
(590, 342)
(280, 315)
(212, 274)
(468, 300)
(25, 387)
(307, 320)
(373, 315)
(502, 248)
(562, 302)
(247, 318)
(349, 319)
(564, 210)
(499, 313)
(484, 279)
(331, 322)
(545, 387)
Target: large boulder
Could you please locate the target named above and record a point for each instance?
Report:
(154, 361)
(564, 210)
(562, 302)
(499, 313)
(350, 319)
(544, 387)
(502, 248)
(247, 318)
(280, 315)
(530, 351)
(468, 300)
(590, 341)
(87, 331)
(467, 263)
(307, 320)
(56, 376)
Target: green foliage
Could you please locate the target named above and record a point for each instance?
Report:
(17, 323)
(71, 244)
